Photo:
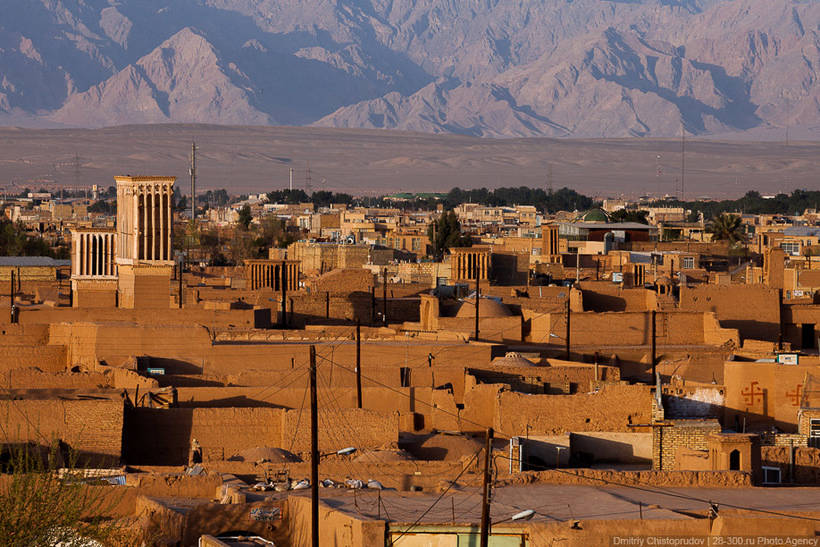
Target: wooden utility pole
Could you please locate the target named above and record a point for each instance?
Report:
(180, 282)
(314, 453)
(654, 344)
(358, 364)
(384, 298)
(486, 488)
(780, 319)
(193, 180)
(373, 304)
(568, 329)
(283, 280)
(11, 299)
(477, 298)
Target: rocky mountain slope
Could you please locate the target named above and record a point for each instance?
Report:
(480, 67)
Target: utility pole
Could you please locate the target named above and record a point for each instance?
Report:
(180, 282)
(192, 171)
(568, 329)
(373, 304)
(384, 297)
(780, 319)
(682, 162)
(314, 453)
(284, 282)
(327, 304)
(486, 490)
(654, 344)
(358, 364)
(477, 297)
(11, 298)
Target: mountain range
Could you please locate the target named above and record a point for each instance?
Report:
(498, 68)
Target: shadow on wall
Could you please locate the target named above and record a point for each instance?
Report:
(60, 455)
(755, 330)
(150, 438)
(628, 448)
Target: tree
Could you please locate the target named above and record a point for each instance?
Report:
(727, 227)
(273, 233)
(629, 215)
(445, 232)
(104, 207)
(41, 506)
(245, 217)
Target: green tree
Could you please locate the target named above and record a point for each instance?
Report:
(245, 217)
(445, 232)
(41, 506)
(104, 207)
(727, 227)
(629, 215)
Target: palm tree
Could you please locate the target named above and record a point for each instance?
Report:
(727, 227)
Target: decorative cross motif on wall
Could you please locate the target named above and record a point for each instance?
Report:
(752, 394)
(796, 395)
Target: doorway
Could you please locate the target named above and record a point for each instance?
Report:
(808, 339)
(734, 460)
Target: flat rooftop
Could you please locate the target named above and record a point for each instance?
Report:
(558, 503)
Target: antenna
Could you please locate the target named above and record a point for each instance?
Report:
(549, 178)
(308, 185)
(76, 165)
(192, 171)
(682, 162)
(290, 186)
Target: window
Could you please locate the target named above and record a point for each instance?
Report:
(814, 432)
(771, 475)
(734, 460)
(688, 262)
(404, 376)
(791, 247)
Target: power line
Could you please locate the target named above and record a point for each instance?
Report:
(666, 493)
(438, 499)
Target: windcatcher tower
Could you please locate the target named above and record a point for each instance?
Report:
(144, 242)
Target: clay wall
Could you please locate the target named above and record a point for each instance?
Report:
(92, 428)
(602, 296)
(495, 329)
(172, 316)
(629, 329)
(94, 298)
(343, 281)
(802, 467)
(612, 408)
(46, 358)
(164, 436)
(674, 435)
(565, 378)
(349, 307)
(605, 446)
(335, 528)
(752, 309)
(28, 273)
(34, 381)
(762, 395)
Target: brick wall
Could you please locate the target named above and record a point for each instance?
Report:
(613, 408)
(164, 436)
(672, 435)
(92, 428)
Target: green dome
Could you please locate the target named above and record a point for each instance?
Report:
(595, 215)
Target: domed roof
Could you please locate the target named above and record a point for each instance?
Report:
(487, 307)
(595, 215)
(512, 359)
